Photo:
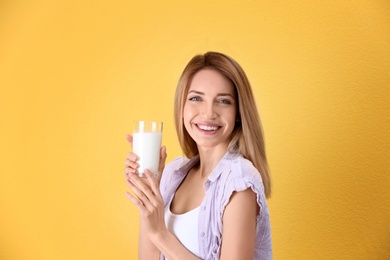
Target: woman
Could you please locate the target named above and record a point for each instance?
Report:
(210, 204)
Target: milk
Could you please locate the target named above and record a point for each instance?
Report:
(147, 147)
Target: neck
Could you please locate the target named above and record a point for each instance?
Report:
(209, 158)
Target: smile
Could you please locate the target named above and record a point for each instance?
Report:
(208, 127)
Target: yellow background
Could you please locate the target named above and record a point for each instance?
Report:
(75, 74)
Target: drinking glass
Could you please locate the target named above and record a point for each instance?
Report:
(147, 136)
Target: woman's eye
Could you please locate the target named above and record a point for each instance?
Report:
(225, 101)
(194, 99)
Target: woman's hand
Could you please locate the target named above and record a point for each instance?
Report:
(147, 197)
(131, 160)
(154, 237)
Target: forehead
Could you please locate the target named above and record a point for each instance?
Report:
(211, 80)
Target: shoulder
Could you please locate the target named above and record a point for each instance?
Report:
(240, 175)
(243, 174)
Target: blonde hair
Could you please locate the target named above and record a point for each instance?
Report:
(247, 136)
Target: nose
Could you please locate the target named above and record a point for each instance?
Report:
(209, 110)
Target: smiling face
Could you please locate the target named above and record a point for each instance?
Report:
(210, 109)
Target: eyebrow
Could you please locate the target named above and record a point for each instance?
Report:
(202, 93)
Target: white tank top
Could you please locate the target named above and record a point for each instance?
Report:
(184, 227)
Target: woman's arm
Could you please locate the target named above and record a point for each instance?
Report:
(154, 237)
(171, 247)
(239, 226)
(146, 249)
(150, 204)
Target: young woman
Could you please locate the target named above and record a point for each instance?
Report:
(210, 204)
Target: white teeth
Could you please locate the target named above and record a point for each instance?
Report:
(208, 127)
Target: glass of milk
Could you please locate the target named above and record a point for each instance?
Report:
(147, 137)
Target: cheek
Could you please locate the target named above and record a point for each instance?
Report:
(188, 113)
(186, 117)
(233, 116)
(185, 114)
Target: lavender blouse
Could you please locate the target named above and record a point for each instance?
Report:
(232, 173)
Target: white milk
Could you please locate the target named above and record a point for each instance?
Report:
(147, 147)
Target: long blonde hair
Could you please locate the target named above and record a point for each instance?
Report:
(247, 136)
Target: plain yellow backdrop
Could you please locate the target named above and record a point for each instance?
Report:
(75, 74)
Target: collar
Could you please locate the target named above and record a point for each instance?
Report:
(222, 165)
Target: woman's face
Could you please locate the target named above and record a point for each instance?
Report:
(210, 109)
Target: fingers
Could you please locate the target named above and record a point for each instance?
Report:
(131, 164)
(140, 196)
(146, 190)
(163, 157)
(161, 165)
(129, 139)
(131, 160)
(128, 172)
(153, 182)
(134, 200)
(148, 195)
